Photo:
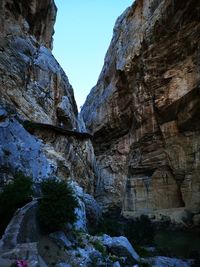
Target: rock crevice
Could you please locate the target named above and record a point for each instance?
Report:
(143, 112)
(35, 88)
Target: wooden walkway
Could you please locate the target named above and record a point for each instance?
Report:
(30, 125)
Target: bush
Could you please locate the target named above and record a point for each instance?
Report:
(140, 231)
(57, 205)
(13, 196)
(99, 246)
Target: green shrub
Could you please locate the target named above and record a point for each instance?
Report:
(140, 231)
(99, 246)
(13, 196)
(57, 205)
(113, 258)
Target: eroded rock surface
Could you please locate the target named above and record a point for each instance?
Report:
(28, 17)
(144, 111)
(34, 87)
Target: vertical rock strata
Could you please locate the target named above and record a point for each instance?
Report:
(34, 87)
(144, 111)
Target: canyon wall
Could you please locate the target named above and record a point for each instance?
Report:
(34, 87)
(144, 111)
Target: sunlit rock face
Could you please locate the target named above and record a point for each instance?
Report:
(144, 110)
(34, 87)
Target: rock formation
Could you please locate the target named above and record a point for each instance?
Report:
(34, 87)
(144, 111)
(142, 117)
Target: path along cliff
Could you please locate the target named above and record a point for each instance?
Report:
(143, 113)
(136, 144)
(34, 88)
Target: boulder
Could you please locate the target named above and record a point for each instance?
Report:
(120, 246)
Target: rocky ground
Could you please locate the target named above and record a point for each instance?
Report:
(142, 154)
(74, 246)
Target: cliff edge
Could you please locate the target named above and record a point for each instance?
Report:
(35, 88)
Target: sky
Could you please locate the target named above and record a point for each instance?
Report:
(83, 32)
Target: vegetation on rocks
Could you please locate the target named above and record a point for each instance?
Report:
(57, 205)
(99, 246)
(13, 196)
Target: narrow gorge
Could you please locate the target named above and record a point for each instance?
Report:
(134, 148)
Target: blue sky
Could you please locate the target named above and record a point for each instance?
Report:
(83, 31)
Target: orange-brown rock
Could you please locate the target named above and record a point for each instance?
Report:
(144, 111)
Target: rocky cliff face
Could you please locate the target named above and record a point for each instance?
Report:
(144, 110)
(34, 87)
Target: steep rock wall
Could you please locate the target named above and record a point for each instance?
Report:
(144, 110)
(34, 87)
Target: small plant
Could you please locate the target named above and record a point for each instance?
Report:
(98, 246)
(113, 258)
(57, 206)
(13, 196)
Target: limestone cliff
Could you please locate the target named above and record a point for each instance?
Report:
(144, 110)
(34, 87)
